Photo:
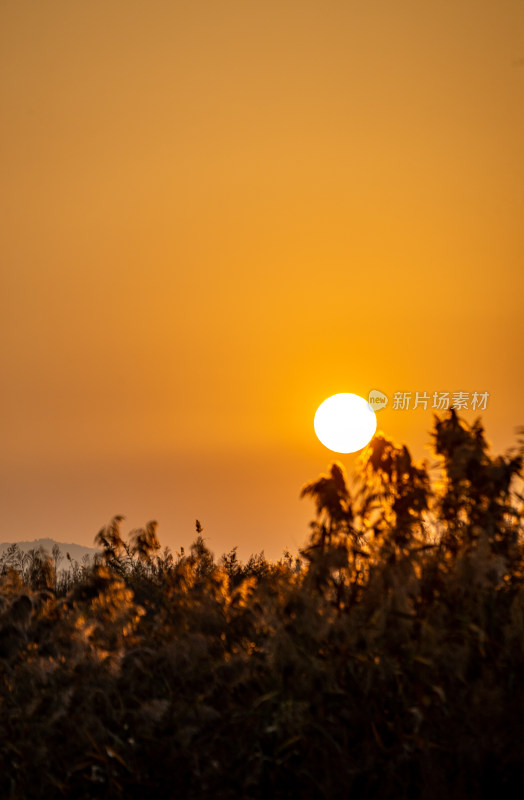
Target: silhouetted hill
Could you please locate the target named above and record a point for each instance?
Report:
(76, 551)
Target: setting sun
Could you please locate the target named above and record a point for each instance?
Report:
(345, 422)
(235, 236)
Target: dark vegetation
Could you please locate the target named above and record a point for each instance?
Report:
(386, 661)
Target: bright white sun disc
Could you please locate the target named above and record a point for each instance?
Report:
(345, 422)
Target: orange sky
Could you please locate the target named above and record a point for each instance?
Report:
(214, 215)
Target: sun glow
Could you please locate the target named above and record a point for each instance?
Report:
(345, 422)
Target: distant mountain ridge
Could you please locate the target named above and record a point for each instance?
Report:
(76, 551)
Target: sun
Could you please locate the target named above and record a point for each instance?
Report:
(345, 422)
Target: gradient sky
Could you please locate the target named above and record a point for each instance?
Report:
(213, 216)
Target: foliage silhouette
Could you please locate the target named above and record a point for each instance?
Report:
(384, 661)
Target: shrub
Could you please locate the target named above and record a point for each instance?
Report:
(383, 661)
